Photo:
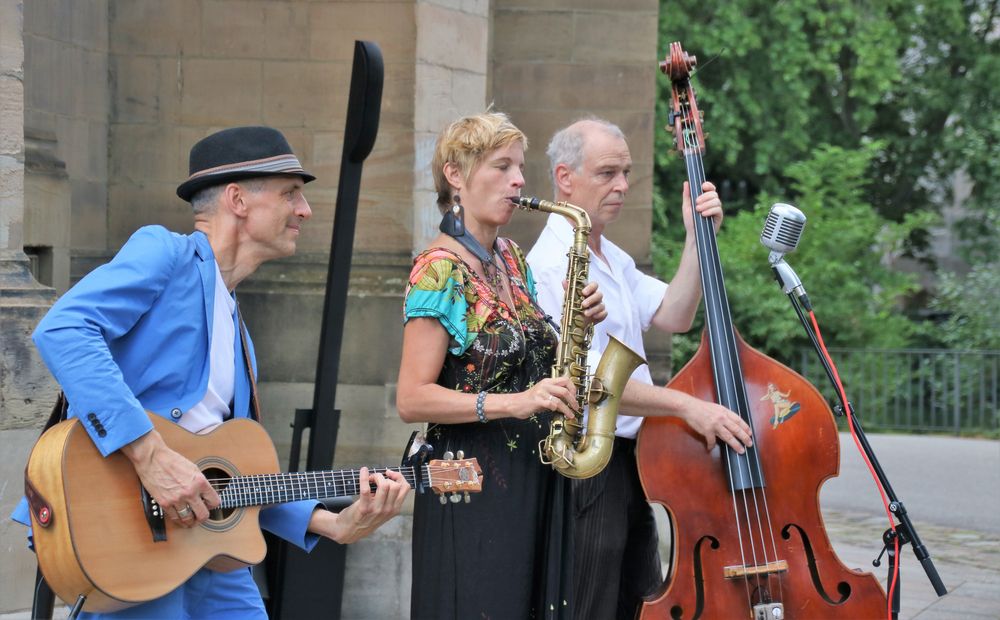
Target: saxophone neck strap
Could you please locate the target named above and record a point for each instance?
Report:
(453, 227)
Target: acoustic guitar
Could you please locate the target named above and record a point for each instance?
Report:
(100, 535)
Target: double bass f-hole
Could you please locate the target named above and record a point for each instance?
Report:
(748, 536)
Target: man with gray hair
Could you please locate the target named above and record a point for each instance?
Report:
(615, 539)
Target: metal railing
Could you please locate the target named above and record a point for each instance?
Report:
(925, 390)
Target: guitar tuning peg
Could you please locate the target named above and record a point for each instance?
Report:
(448, 456)
(467, 498)
(454, 498)
(442, 499)
(460, 454)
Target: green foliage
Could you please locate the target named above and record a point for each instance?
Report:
(971, 305)
(864, 115)
(840, 261)
(776, 79)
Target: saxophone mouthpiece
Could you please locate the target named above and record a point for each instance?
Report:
(526, 202)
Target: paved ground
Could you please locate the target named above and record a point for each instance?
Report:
(967, 561)
(951, 489)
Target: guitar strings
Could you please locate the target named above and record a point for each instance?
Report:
(407, 472)
(281, 487)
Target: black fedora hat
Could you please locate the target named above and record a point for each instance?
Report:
(239, 153)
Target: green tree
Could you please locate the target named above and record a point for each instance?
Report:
(840, 261)
(971, 305)
(777, 79)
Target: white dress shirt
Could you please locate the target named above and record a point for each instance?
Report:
(630, 296)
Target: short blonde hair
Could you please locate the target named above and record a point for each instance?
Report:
(466, 142)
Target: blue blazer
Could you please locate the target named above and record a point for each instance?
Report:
(134, 336)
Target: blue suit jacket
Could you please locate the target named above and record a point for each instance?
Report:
(133, 336)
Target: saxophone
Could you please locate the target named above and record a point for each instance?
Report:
(570, 453)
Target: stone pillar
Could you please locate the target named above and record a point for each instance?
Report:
(554, 62)
(27, 390)
(451, 68)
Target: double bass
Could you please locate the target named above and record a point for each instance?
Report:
(748, 535)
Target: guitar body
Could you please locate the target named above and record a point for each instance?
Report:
(100, 539)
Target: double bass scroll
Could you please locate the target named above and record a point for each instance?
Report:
(748, 535)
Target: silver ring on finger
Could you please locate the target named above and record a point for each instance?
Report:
(184, 512)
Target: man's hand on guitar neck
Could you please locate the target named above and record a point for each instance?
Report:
(176, 483)
(372, 509)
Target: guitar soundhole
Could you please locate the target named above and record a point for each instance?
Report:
(219, 479)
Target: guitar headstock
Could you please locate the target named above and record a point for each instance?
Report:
(451, 477)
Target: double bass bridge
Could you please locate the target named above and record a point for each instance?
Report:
(768, 609)
(760, 570)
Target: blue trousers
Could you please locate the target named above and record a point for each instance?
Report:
(207, 594)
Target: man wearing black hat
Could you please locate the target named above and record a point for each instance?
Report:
(158, 329)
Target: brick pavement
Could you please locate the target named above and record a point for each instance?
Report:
(967, 561)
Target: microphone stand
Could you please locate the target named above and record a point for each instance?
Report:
(904, 531)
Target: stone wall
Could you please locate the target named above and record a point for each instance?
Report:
(67, 109)
(555, 61)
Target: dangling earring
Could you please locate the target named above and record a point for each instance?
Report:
(453, 222)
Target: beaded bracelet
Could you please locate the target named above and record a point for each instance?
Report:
(481, 407)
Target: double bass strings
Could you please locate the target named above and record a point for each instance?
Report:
(720, 323)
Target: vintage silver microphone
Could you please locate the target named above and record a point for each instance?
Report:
(781, 234)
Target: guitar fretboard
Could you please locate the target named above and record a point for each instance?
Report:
(267, 489)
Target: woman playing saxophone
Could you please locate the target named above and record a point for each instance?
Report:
(477, 354)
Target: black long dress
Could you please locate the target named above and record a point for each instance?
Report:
(507, 553)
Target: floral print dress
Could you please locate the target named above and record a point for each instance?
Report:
(506, 554)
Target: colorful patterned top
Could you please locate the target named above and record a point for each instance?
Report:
(500, 555)
(493, 347)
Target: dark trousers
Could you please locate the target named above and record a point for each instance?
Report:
(616, 558)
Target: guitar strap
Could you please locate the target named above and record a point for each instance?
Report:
(59, 411)
(255, 411)
(37, 504)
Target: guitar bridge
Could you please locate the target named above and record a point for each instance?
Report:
(154, 516)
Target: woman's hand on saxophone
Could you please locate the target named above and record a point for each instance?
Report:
(555, 395)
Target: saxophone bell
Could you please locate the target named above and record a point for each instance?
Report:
(570, 452)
